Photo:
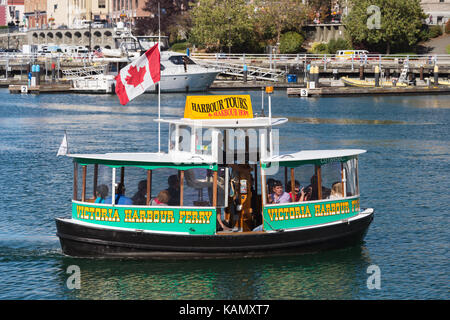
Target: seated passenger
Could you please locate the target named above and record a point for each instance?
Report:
(278, 195)
(101, 193)
(140, 197)
(162, 199)
(312, 189)
(174, 190)
(336, 191)
(120, 196)
(297, 190)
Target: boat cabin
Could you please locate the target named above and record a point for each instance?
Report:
(222, 172)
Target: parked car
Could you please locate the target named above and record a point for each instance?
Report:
(98, 24)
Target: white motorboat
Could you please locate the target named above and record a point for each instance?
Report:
(178, 72)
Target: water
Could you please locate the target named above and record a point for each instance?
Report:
(404, 177)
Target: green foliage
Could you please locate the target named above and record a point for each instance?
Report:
(291, 42)
(272, 18)
(447, 48)
(221, 25)
(434, 31)
(400, 24)
(339, 44)
(319, 48)
(331, 47)
(180, 46)
(447, 27)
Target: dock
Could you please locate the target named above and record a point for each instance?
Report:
(45, 88)
(355, 91)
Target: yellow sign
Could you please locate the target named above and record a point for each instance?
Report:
(218, 107)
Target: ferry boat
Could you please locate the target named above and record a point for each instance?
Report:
(222, 148)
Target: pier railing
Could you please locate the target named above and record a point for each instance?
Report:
(274, 60)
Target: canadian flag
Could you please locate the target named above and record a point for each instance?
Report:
(136, 77)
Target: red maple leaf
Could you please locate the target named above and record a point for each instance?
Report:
(135, 77)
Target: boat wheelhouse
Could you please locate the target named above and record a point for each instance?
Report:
(220, 172)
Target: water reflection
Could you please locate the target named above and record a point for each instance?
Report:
(327, 275)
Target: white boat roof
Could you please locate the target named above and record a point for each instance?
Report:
(323, 156)
(260, 122)
(145, 159)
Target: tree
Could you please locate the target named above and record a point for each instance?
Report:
(221, 25)
(400, 23)
(173, 18)
(272, 18)
(291, 42)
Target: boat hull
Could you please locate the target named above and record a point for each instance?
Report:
(87, 240)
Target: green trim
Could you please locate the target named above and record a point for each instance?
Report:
(144, 165)
(304, 214)
(189, 220)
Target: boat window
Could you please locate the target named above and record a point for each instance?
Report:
(180, 60)
(198, 188)
(351, 176)
(331, 175)
(203, 141)
(184, 138)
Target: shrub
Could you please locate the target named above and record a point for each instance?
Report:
(447, 27)
(180, 46)
(319, 48)
(291, 42)
(447, 48)
(434, 31)
(339, 44)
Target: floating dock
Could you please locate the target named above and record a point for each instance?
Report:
(348, 91)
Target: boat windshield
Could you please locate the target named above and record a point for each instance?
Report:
(180, 60)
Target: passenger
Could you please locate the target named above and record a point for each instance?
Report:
(120, 196)
(101, 193)
(336, 191)
(278, 195)
(140, 197)
(297, 190)
(162, 199)
(313, 190)
(174, 190)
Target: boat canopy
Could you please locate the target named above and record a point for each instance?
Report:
(262, 122)
(317, 157)
(147, 161)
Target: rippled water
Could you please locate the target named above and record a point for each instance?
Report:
(404, 177)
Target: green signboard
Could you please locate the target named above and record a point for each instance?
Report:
(165, 219)
(295, 215)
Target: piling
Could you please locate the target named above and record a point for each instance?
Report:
(361, 72)
(377, 76)
(436, 75)
(421, 72)
(245, 73)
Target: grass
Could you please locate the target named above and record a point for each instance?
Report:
(447, 48)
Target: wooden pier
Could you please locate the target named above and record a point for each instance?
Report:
(352, 91)
(44, 88)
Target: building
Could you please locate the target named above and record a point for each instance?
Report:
(36, 13)
(14, 14)
(128, 10)
(438, 11)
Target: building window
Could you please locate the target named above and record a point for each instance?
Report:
(102, 4)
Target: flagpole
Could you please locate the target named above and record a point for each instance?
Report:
(159, 84)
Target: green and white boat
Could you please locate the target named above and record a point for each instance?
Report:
(221, 148)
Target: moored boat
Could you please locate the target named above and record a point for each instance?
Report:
(221, 148)
(351, 82)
